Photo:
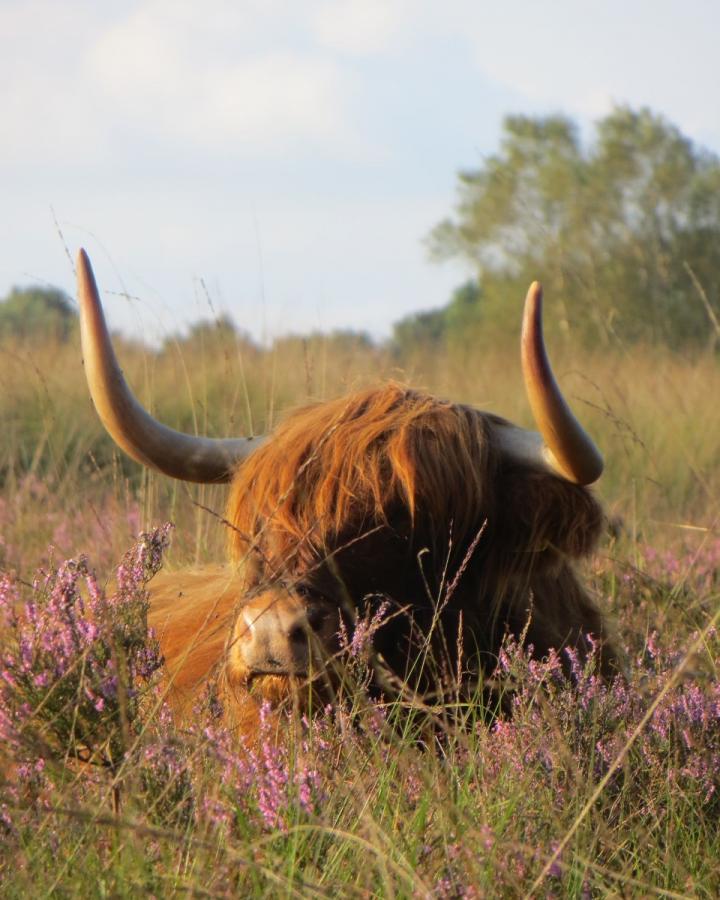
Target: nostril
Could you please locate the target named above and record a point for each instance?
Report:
(298, 634)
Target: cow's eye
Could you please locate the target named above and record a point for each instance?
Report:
(307, 592)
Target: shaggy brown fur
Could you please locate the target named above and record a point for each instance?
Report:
(385, 456)
(393, 493)
(192, 614)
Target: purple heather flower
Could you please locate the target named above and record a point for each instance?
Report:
(61, 655)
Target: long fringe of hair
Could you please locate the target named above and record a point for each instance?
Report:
(382, 456)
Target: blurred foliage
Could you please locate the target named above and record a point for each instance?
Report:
(37, 312)
(624, 234)
(423, 329)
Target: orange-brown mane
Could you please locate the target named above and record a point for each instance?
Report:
(337, 469)
(395, 457)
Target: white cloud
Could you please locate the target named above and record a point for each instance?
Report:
(264, 77)
(269, 100)
(361, 26)
(581, 58)
(140, 59)
(197, 78)
(227, 80)
(253, 104)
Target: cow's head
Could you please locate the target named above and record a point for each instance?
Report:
(444, 514)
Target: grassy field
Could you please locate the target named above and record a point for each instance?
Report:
(586, 790)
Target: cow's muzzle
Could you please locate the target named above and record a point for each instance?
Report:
(279, 632)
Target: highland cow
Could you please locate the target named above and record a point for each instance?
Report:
(459, 526)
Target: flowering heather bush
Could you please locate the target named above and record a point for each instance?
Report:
(679, 746)
(365, 797)
(690, 570)
(78, 681)
(78, 663)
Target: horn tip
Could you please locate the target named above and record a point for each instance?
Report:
(532, 318)
(535, 291)
(88, 296)
(84, 270)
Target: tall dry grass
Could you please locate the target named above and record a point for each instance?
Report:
(654, 414)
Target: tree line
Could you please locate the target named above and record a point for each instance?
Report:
(623, 230)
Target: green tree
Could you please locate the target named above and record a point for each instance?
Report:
(433, 326)
(419, 330)
(36, 312)
(613, 230)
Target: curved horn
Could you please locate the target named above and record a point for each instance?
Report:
(568, 449)
(143, 438)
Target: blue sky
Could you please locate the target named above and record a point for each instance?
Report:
(288, 158)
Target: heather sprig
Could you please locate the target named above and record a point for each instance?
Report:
(263, 780)
(78, 660)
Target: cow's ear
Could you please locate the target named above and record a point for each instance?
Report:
(541, 512)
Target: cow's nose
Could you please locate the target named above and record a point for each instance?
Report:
(277, 636)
